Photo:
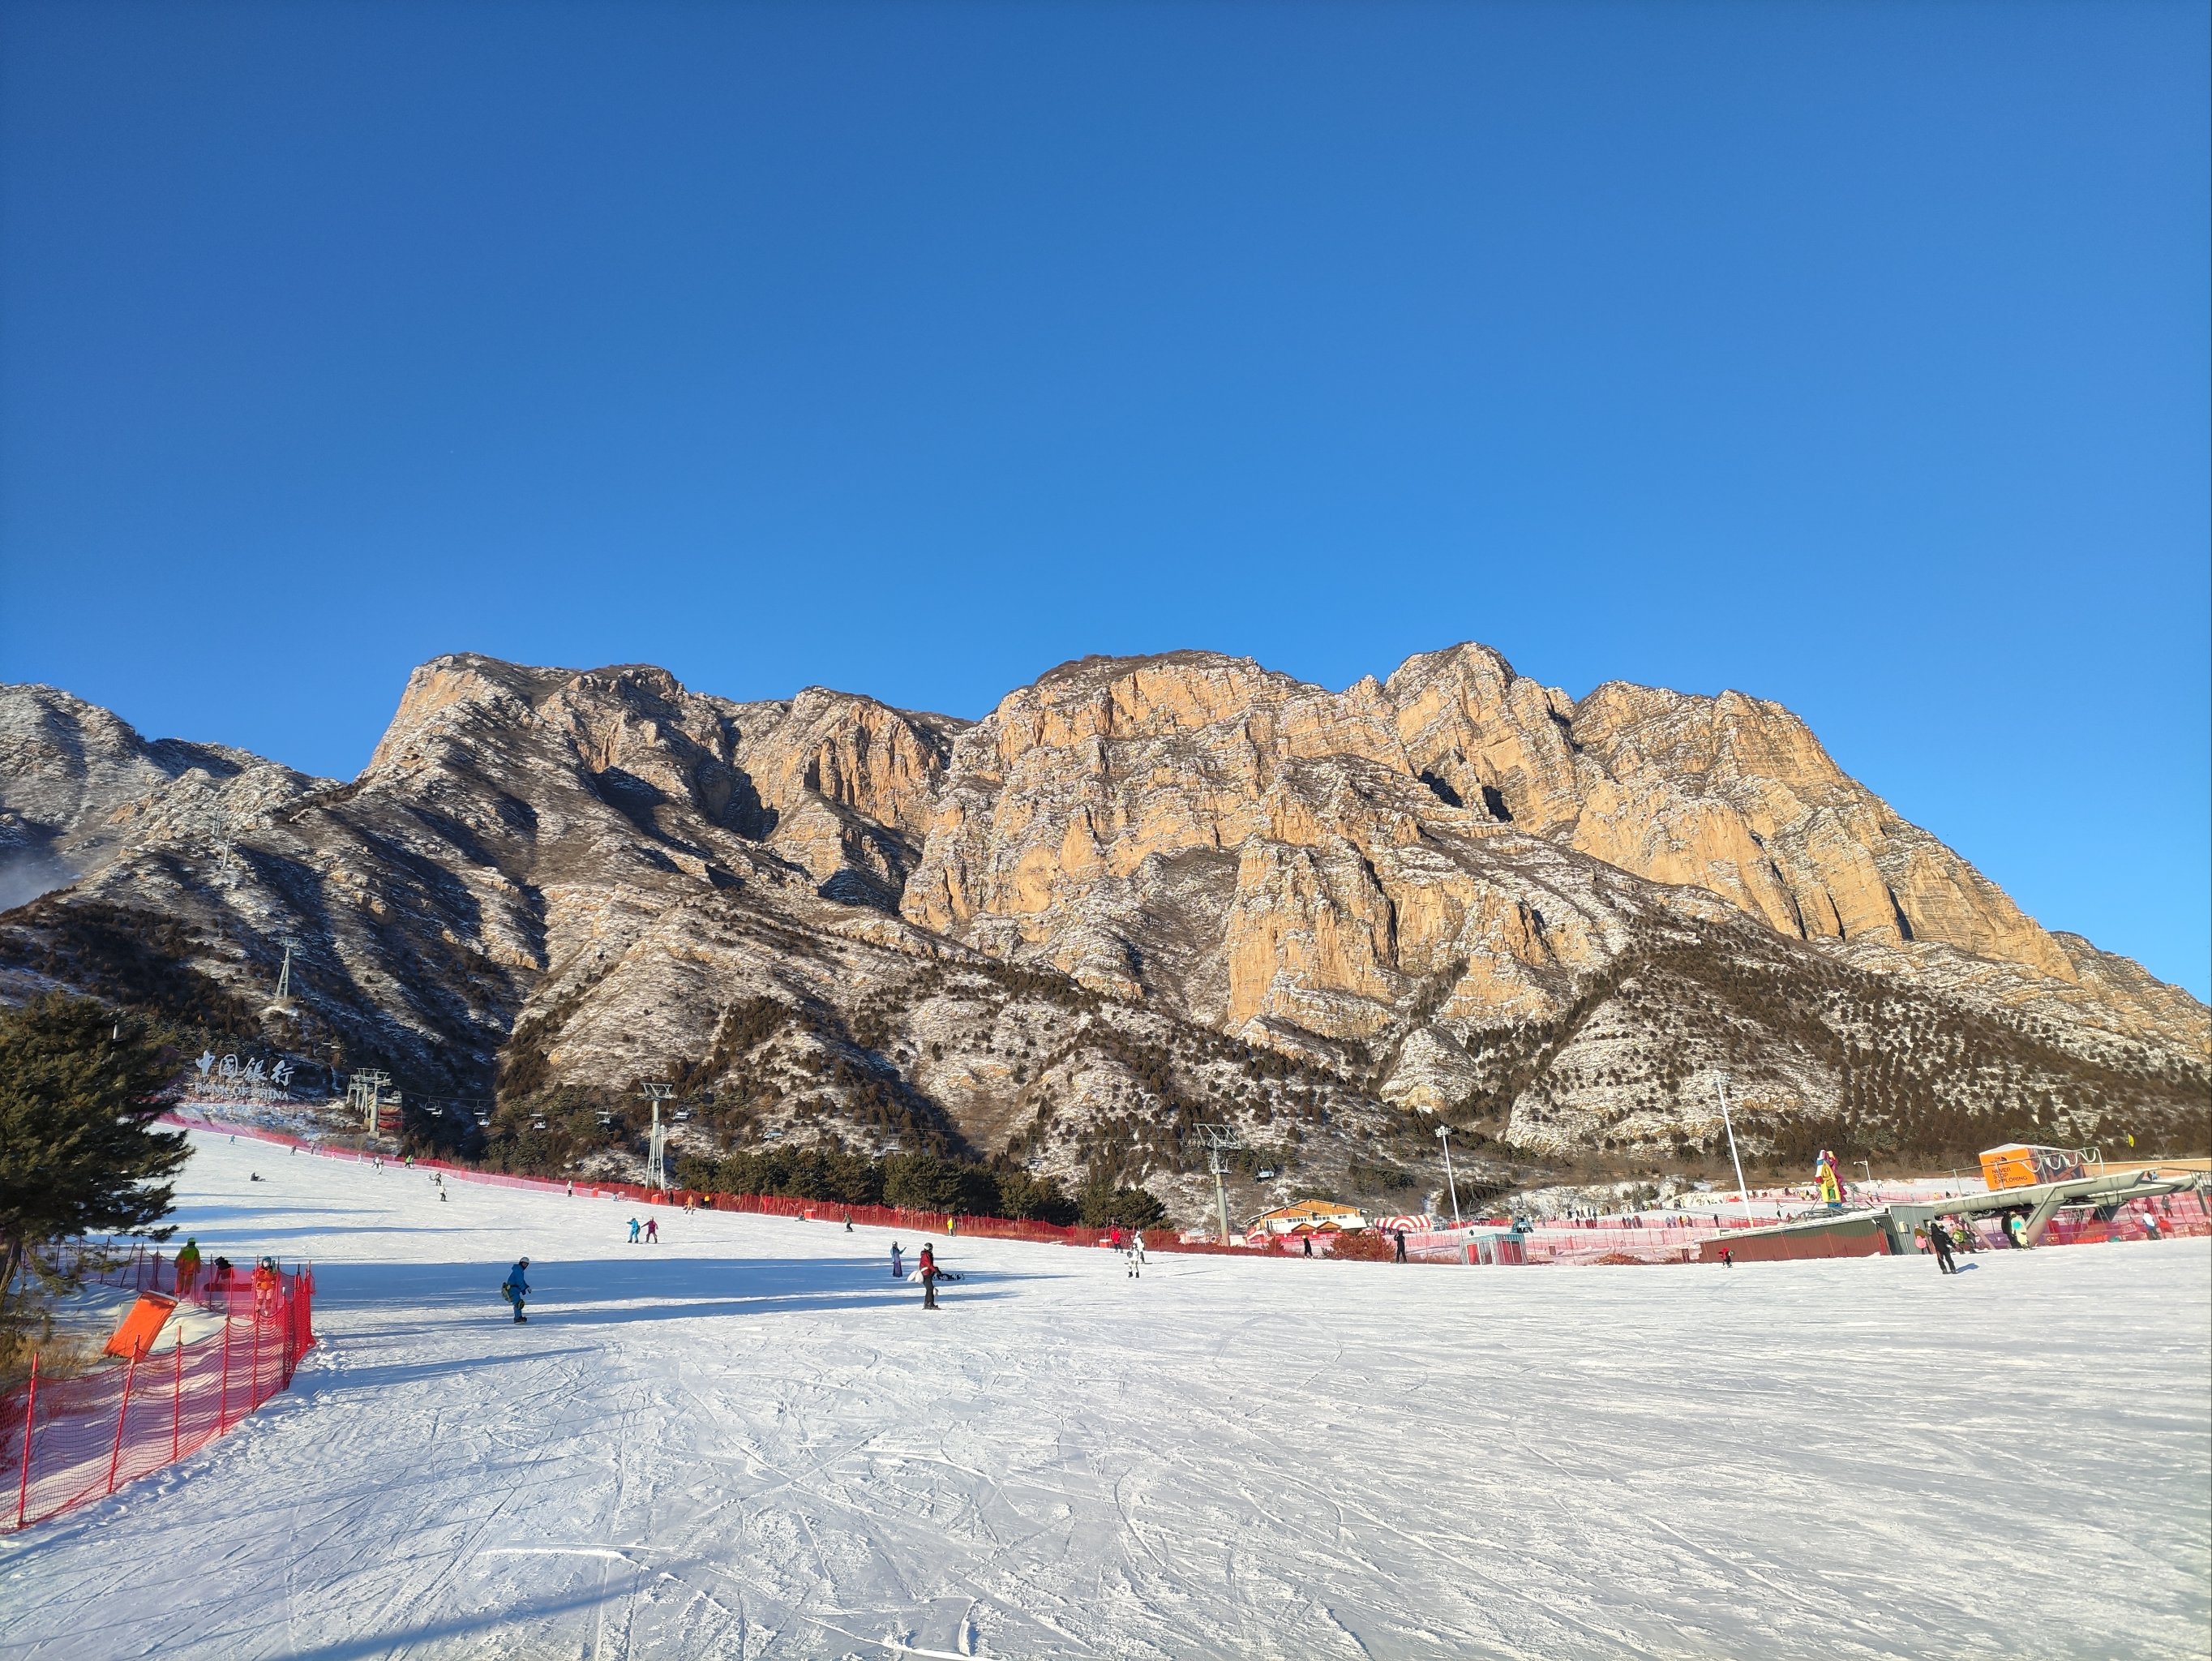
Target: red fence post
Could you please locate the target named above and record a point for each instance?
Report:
(253, 1373)
(115, 1457)
(177, 1406)
(223, 1395)
(30, 1407)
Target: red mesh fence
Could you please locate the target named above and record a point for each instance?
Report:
(1589, 1240)
(66, 1440)
(2171, 1216)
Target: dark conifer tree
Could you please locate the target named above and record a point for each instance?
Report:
(80, 1152)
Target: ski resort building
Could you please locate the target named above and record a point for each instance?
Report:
(1305, 1217)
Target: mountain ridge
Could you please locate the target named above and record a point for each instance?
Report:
(1134, 891)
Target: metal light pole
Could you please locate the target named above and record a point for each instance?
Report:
(1443, 1136)
(1720, 1086)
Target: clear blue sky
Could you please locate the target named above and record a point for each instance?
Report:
(1851, 355)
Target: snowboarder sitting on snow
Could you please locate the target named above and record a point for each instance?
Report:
(515, 1287)
(929, 1278)
(633, 1231)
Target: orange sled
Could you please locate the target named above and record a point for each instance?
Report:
(136, 1334)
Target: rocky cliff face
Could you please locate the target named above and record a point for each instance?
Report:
(1280, 861)
(1138, 893)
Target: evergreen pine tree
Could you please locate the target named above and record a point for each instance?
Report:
(79, 1150)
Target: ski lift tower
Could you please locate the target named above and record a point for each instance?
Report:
(282, 1003)
(364, 1095)
(656, 1154)
(219, 837)
(1219, 1138)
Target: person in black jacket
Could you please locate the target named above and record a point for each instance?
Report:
(1939, 1241)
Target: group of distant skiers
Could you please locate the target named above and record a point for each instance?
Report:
(221, 1276)
(1132, 1250)
(1939, 1238)
(1128, 1245)
(925, 1270)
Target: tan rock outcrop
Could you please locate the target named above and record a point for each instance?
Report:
(1732, 793)
(1093, 821)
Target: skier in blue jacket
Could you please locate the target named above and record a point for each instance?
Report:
(515, 1289)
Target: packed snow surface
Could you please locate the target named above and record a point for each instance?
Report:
(750, 1441)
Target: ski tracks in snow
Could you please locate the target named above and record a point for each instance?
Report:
(750, 1443)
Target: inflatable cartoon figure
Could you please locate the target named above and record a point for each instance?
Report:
(1831, 1179)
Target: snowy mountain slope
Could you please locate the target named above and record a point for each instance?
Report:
(1141, 894)
(749, 1442)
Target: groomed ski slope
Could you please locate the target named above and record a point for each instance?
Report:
(748, 1441)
